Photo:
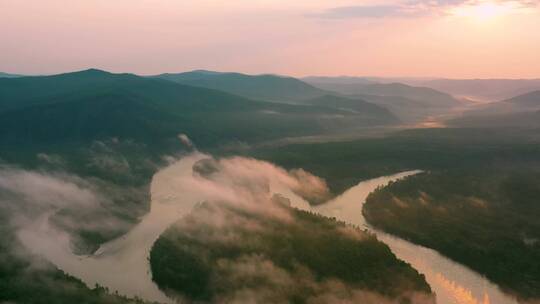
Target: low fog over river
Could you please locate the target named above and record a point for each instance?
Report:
(122, 264)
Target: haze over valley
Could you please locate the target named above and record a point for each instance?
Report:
(374, 152)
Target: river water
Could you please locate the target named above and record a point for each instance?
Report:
(451, 282)
(122, 264)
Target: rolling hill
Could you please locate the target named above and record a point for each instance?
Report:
(408, 110)
(355, 105)
(260, 87)
(409, 103)
(423, 94)
(484, 89)
(93, 104)
(526, 101)
(520, 111)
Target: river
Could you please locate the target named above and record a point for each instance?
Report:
(122, 264)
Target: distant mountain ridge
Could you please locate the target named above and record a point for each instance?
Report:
(92, 104)
(473, 89)
(518, 111)
(7, 75)
(355, 105)
(411, 104)
(339, 79)
(485, 89)
(428, 95)
(262, 87)
(531, 99)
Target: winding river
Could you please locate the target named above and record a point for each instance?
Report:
(122, 264)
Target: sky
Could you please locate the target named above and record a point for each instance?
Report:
(385, 38)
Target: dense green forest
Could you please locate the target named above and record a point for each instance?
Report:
(486, 219)
(343, 164)
(219, 253)
(477, 203)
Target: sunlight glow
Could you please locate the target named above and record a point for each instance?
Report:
(460, 294)
(485, 11)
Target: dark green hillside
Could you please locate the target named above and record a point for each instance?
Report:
(25, 91)
(94, 104)
(261, 87)
(278, 261)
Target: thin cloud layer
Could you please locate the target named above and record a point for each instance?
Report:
(362, 11)
(414, 8)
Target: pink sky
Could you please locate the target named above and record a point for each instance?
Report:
(442, 38)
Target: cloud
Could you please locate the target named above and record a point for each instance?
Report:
(37, 190)
(361, 11)
(51, 159)
(71, 203)
(413, 8)
(248, 180)
(184, 139)
(239, 199)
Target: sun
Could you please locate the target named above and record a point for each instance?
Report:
(489, 10)
(483, 11)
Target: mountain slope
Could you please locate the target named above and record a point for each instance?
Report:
(25, 91)
(484, 89)
(338, 79)
(410, 104)
(408, 110)
(93, 104)
(528, 100)
(357, 106)
(429, 96)
(519, 111)
(262, 87)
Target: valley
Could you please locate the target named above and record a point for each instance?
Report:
(280, 152)
(128, 150)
